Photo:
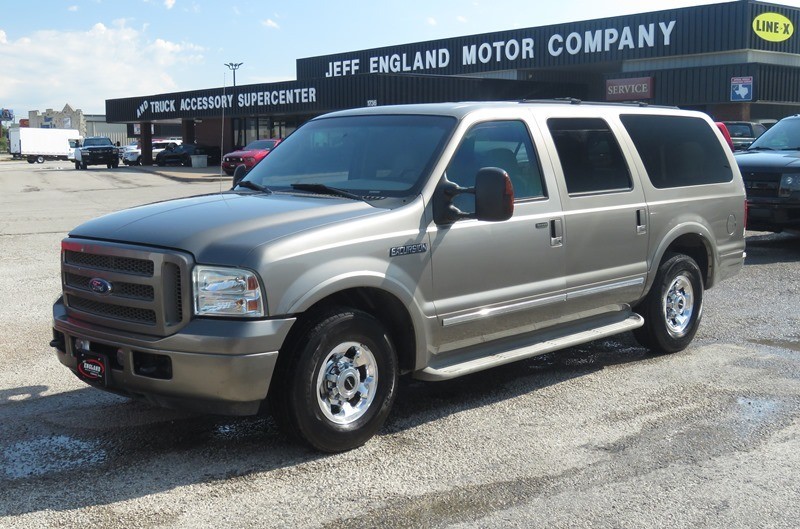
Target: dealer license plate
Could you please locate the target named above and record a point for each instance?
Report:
(93, 368)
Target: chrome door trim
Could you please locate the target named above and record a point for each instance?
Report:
(503, 309)
(606, 288)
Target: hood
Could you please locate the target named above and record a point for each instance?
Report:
(221, 228)
(251, 152)
(766, 161)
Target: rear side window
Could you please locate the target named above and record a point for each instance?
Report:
(678, 151)
(590, 156)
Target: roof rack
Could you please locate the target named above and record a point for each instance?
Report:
(575, 101)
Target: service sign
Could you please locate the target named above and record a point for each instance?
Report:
(773, 27)
(635, 89)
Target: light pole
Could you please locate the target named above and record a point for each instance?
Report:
(234, 66)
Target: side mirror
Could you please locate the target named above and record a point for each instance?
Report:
(494, 195)
(238, 174)
(494, 198)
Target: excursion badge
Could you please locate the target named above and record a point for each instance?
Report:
(408, 249)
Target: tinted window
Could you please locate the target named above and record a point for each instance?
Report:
(384, 155)
(590, 155)
(740, 130)
(503, 144)
(678, 151)
(784, 135)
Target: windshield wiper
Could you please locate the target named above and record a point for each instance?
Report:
(326, 189)
(760, 149)
(255, 187)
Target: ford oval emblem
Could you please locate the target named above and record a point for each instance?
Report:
(100, 286)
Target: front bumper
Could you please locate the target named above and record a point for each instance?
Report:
(774, 215)
(216, 366)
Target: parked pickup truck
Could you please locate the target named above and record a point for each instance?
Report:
(96, 151)
(429, 240)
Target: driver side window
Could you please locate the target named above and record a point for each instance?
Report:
(503, 144)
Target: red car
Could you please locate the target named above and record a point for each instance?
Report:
(253, 153)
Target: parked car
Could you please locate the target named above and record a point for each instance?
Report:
(346, 258)
(725, 134)
(182, 155)
(771, 171)
(133, 156)
(250, 155)
(743, 133)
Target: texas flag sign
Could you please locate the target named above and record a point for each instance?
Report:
(741, 88)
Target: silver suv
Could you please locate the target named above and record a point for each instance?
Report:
(430, 240)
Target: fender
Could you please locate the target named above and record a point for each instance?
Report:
(692, 227)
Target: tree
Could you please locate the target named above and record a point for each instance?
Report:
(3, 139)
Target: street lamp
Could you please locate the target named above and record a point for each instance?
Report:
(234, 66)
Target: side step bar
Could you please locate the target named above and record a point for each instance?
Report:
(446, 371)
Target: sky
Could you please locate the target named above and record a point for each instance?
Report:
(82, 52)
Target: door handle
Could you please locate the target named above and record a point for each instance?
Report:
(556, 233)
(641, 221)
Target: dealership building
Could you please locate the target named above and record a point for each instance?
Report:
(735, 61)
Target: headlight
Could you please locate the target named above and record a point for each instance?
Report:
(226, 292)
(789, 183)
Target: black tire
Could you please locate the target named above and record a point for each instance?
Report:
(84, 165)
(108, 166)
(40, 159)
(317, 391)
(674, 306)
(31, 159)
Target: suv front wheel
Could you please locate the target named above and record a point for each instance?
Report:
(673, 307)
(338, 381)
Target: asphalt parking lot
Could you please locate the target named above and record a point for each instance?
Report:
(604, 435)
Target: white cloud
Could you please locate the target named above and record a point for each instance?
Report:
(461, 18)
(236, 11)
(431, 21)
(72, 8)
(169, 4)
(46, 69)
(270, 23)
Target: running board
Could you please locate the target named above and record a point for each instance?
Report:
(446, 371)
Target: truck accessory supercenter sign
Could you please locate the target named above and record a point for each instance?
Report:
(155, 108)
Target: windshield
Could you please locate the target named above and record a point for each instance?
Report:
(260, 145)
(94, 142)
(389, 155)
(785, 135)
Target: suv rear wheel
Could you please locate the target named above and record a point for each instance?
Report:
(338, 382)
(673, 307)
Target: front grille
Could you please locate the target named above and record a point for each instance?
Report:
(127, 290)
(109, 262)
(117, 312)
(139, 290)
(762, 185)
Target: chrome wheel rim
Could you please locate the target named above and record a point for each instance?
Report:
(679, 305)
(347, 382)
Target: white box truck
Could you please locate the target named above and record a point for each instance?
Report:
(38, 145)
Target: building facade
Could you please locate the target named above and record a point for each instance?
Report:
(735, 61)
